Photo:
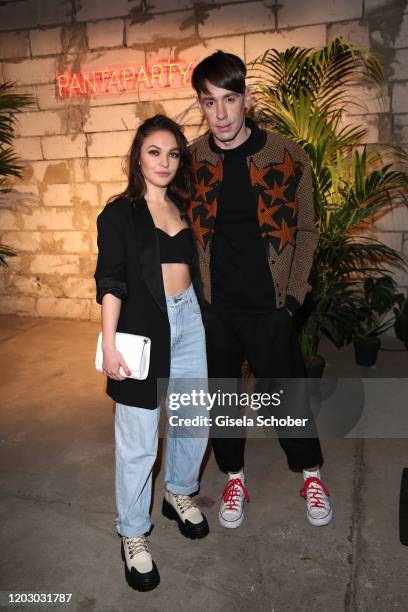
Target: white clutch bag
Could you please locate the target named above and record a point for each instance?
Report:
(135, 351)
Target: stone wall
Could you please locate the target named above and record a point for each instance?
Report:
(74, 148)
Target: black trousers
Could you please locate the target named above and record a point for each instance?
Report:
(270, 345)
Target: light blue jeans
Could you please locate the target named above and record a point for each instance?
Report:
(136, 429)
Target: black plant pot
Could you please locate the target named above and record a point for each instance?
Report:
(366, 350)
(401, 327)
(315, 366)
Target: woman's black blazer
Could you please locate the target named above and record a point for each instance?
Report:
(128, 266)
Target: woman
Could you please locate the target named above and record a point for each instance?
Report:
(146, 262)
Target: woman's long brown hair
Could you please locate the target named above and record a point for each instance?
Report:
(179, 190)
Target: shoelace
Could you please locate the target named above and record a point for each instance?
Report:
(136, 546)
(232, 493)
(184, 502)
(313, 490)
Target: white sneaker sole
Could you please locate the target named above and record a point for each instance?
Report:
(231, 524)
(320, 522)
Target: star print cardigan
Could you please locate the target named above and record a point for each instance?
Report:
(281, 177)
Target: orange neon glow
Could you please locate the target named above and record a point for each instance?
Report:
(61, 85)
(157, 76)
(115, 82)
(88, 85)
(75, 85)
(126, 78)
(142, 77)
(123, 79)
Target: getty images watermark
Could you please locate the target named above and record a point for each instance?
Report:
(206, 400)
(333, 407)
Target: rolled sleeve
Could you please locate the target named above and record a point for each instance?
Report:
(110, 273)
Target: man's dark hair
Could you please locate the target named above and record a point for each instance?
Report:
(222, 70)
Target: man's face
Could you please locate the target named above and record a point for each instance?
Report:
(224, 111)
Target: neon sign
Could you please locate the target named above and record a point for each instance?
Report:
(123, 79)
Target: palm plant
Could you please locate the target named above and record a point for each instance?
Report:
(11, 104)
(373, 315)
(305, 95)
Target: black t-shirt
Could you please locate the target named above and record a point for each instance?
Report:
(241, 280)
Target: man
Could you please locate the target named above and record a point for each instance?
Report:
(253, 218)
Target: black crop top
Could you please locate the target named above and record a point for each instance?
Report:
(177, 248)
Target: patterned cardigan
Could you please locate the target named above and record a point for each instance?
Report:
(281, 178)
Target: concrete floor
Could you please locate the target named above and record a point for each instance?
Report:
(57, 510)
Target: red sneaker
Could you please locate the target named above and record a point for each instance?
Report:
(319, 511)
(231, 512)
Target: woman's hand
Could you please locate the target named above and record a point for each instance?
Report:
(112, 360)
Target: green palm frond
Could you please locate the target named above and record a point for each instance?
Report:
(307, 96)
(11, 104)
(9, 164)
(326, 74)
(5, 251)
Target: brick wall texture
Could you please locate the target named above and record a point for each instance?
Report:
(74, 148)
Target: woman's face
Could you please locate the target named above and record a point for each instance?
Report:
(159, 158)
